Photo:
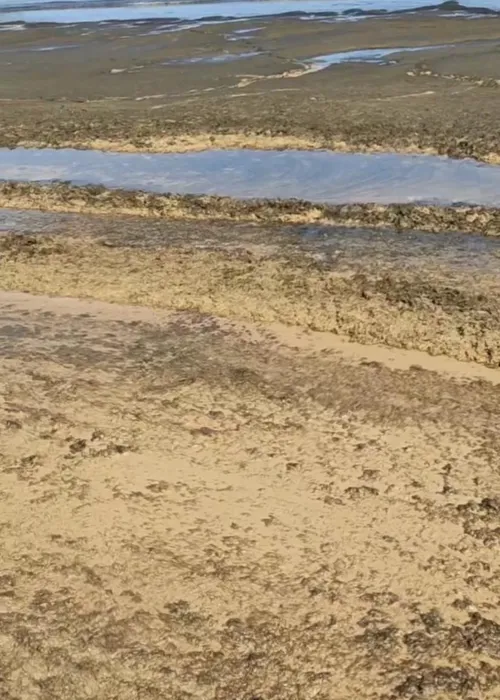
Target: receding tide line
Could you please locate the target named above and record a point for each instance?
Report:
(317, 177)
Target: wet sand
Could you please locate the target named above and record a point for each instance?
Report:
(122, 87)
(440, 298)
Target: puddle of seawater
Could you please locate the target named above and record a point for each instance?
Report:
(77, 11)
(40, 49)
(408, 249)
(170, 29)
(221, 58)
(364, 56)
(248, 30)
(318, 176)
(244, 34)
(60, 47)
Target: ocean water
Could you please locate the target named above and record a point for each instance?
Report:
(77, 11)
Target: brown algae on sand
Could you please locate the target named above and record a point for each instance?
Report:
(68, 198)
(428, 310)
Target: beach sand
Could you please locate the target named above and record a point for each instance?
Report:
(248, 450)
(199, 507)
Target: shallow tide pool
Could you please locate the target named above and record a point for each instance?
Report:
(316, 176)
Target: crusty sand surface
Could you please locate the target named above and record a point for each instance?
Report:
(200, 508)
